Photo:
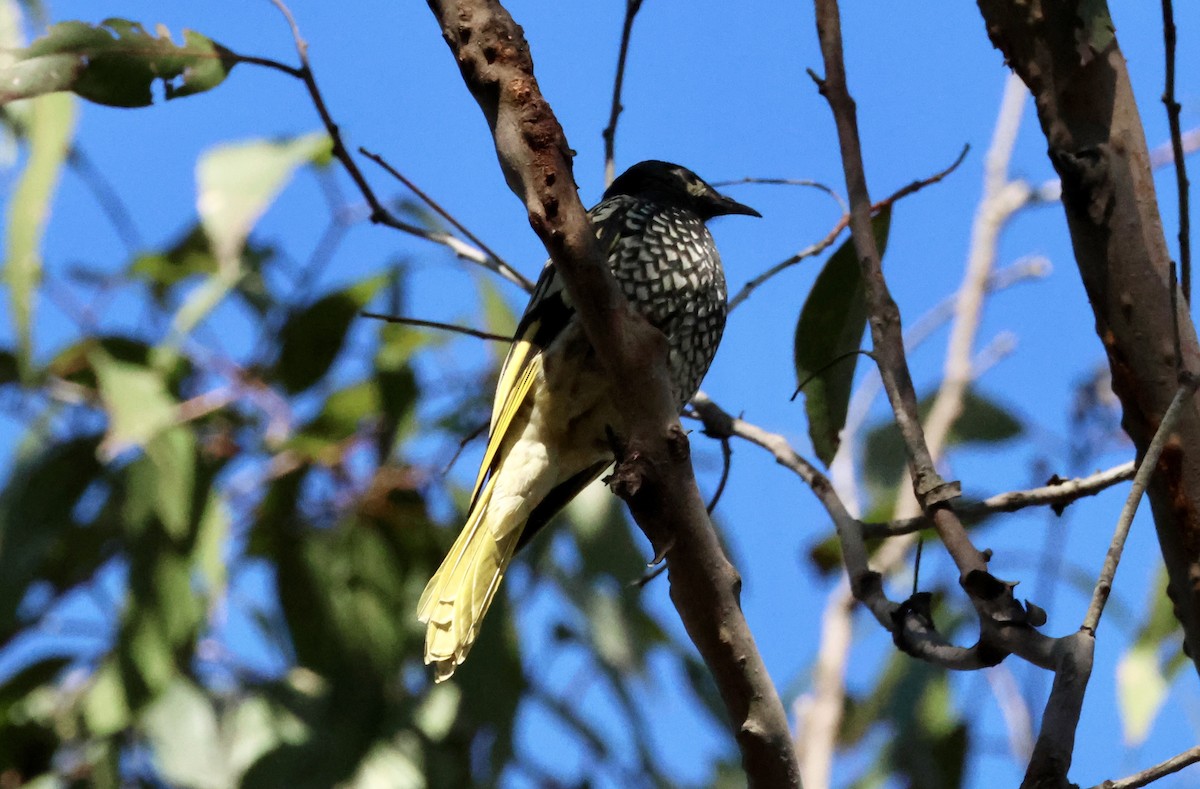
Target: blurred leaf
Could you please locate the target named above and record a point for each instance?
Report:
(312, 338)
(136, 398)
(172, 454)
(115, 63)
(828, 334)
(437, 712)
(498, 315)
(606, 544)
(105, 709)
(237, 182)
(9, 369)
(928, 740)
(212, 532)
(1143, 675)
(73, 363)
(50, 126)
(36, 509)
(344, 411)
(388, 767)
(182, 727)
(610, 634)
(397, 384)
(191, 256)
(982, 421)
(1141, 691)
(28, 740)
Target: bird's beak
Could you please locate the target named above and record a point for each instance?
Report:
(722, 205)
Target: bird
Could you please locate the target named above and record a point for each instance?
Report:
(548, 436)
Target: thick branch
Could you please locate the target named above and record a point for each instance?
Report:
(655, 473)
(1089, 116)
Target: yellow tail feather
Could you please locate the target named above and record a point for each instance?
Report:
(461, 591)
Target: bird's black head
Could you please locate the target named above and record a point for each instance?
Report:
(674, 185)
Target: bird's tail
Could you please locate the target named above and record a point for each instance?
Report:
(461, 591)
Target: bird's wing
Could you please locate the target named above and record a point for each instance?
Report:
(549, 312)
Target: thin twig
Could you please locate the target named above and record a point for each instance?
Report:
(836, 230)
(379, 214)
(726, 461)
(829, 190)
(650, 576)
(610, 131)
(1181, 179)
(462, 444)
(1058, 495)
(450, 327)
(1152, 774)
(886, 330)
(501, 266)
(107, 198)
(1146, 468)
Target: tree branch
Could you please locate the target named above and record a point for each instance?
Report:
(1181, 179)
(450, 327)
(654, 472)
(839, 226)
(1057, 495)
(379, 215)
(1152, 774)
(1097, 145)
(610, 131)
(1146, 468)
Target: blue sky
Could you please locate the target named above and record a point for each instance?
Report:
(722, 89)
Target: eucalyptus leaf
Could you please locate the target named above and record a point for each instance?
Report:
(50, 125)
(982, 421)
(237, 182)
(828, 336)
(312, 338)
(116, 63)
(137, 401)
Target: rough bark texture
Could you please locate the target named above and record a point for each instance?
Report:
(1072, 63)
(654, 473)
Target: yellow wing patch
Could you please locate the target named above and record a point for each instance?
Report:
(516, 378)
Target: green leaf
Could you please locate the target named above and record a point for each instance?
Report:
(36, 513)
(237, 182)
(498, 315)
(28, 738)
(105, 708)
(172, 454)
(982, 421)
(191, 256)
(322, 437)
(183, 728)
(137, 401)
(73, 363)
(1141, 691)
(49, 130)
(829, 333)
(312, 338)
(1143, 673)
(115, 63)
(215, 523)
(9, 369)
